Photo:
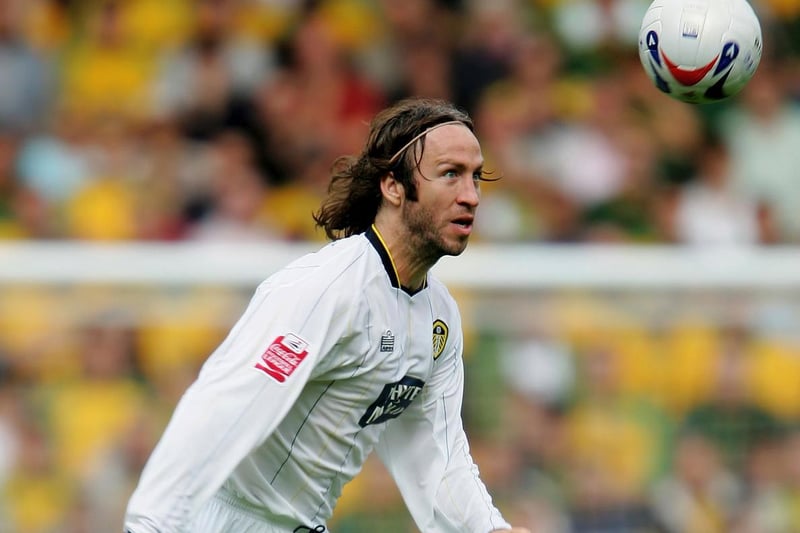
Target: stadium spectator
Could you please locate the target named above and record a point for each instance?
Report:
(616, 441)
(730, 417)
(37, 495)
(709, 211)
(762, 135)
(205, 83)
(28, 87)
(700, 493)
(104, 71)
(236, 199)
(15, 221)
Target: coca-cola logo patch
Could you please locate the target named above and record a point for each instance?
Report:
(282, 357)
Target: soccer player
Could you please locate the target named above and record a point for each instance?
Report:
(354, 348)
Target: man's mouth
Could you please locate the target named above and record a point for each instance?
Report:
(464, 222)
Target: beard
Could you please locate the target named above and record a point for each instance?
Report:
(424, 235)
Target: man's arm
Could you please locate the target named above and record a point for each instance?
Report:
(242, 393)
(426, 451)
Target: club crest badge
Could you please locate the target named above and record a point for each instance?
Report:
(440, 331)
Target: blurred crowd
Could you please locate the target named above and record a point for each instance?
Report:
(218, 120)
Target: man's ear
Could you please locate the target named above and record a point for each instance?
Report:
(392, 190)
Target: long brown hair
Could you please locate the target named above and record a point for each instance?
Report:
(354, 192)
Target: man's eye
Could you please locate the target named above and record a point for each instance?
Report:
(450, 174)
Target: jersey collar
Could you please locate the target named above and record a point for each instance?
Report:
(375, 238)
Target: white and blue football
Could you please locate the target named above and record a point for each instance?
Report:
(700, 51)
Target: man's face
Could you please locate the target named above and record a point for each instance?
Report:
(440, 221)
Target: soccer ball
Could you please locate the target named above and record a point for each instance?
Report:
(700, 51)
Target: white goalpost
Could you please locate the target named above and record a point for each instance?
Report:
(483, 267)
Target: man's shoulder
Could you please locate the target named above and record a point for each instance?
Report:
(334, 257)
(338, 261)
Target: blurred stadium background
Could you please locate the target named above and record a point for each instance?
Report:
(631, 301)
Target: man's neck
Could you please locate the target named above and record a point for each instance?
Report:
(411, 269)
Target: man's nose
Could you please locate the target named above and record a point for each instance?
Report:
(469, 193)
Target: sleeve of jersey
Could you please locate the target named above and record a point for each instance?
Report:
(426, 451)
(242, 393)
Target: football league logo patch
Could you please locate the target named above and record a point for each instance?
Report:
(282, 357)
(440, 331)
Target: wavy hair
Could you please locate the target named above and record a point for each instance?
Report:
(354, 192)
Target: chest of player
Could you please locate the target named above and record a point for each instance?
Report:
(403, 338)
(391, 358)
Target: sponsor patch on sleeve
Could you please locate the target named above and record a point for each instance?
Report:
(283, 356)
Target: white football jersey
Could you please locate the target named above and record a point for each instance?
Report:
(331, 359)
